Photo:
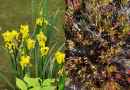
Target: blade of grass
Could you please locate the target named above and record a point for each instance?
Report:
(52, 62)
(47, 60)
(45, 9)
(52, 23)
(36, 59)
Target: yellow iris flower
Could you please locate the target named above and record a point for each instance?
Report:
(60, 57)
(24, 61)
(10, 46)
(40, 21)
(24, 30)
(9, 35)
(41, 39)
(30, 43)
(44, 51)
(42, 43)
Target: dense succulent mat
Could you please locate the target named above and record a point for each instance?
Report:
(98, 44)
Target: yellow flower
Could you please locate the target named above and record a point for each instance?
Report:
(44, 51)
(42, 43)
(14, 33)
(24, 30)
(30, 43)
(24, 61)
(59, 56)
(41, 36)
(9, 35)
(41, 39)
(40, 21)
(10, 46)
(6, 36)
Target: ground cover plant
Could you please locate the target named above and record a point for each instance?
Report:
(97, 44)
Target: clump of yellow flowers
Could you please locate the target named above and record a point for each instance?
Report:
(13, 41)
(30, 52)
(21, 40)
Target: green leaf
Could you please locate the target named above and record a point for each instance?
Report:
(32, 81)
(20, 84)
(61, 83)
(48, 88)
(37, 88)
(44, 88)
(48, 82)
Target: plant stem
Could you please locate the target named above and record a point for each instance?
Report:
(42, 67)
(36, 66)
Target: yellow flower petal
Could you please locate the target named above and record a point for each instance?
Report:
(41, 39)
(59, 56)
(30, 43)
(39, 21)
(24, 61)
(44, 51)
(8, 36)
(24, 30)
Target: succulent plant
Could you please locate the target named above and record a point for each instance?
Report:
(95, 43)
